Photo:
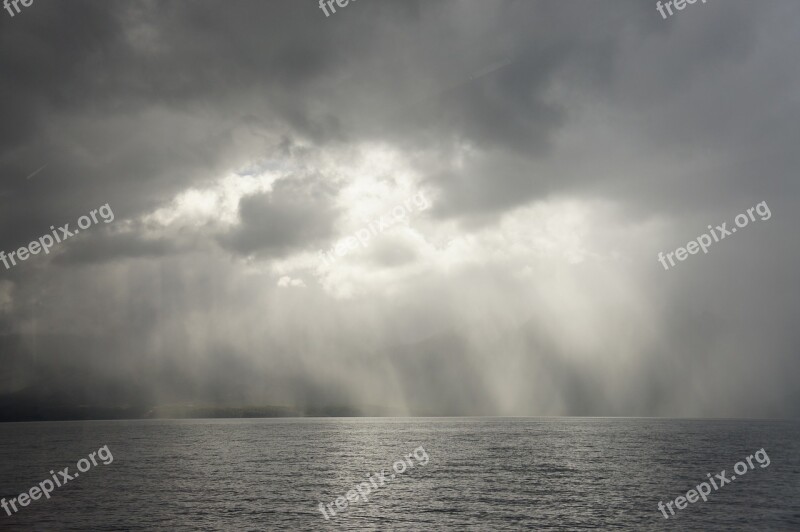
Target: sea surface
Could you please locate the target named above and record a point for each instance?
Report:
(481, 474)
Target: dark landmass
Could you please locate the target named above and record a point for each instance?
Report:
(27, 406)
(85, 412)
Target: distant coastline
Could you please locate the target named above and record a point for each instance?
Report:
(178, 411)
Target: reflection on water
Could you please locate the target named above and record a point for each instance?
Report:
(482, 474)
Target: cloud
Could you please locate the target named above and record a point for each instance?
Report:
(236, 142)
(294, 214)
(286, 282)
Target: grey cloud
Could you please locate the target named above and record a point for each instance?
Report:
(294, 214)
(101, 248)
(676, 124)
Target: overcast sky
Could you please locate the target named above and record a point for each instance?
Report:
(559, 146)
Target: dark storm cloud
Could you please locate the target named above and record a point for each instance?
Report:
(683, 122)
(330, 80)
(103, 100)
(295, 213)
(115, 247)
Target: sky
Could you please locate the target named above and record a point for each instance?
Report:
(512, 168)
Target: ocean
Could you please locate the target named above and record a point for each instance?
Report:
(478, 474)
